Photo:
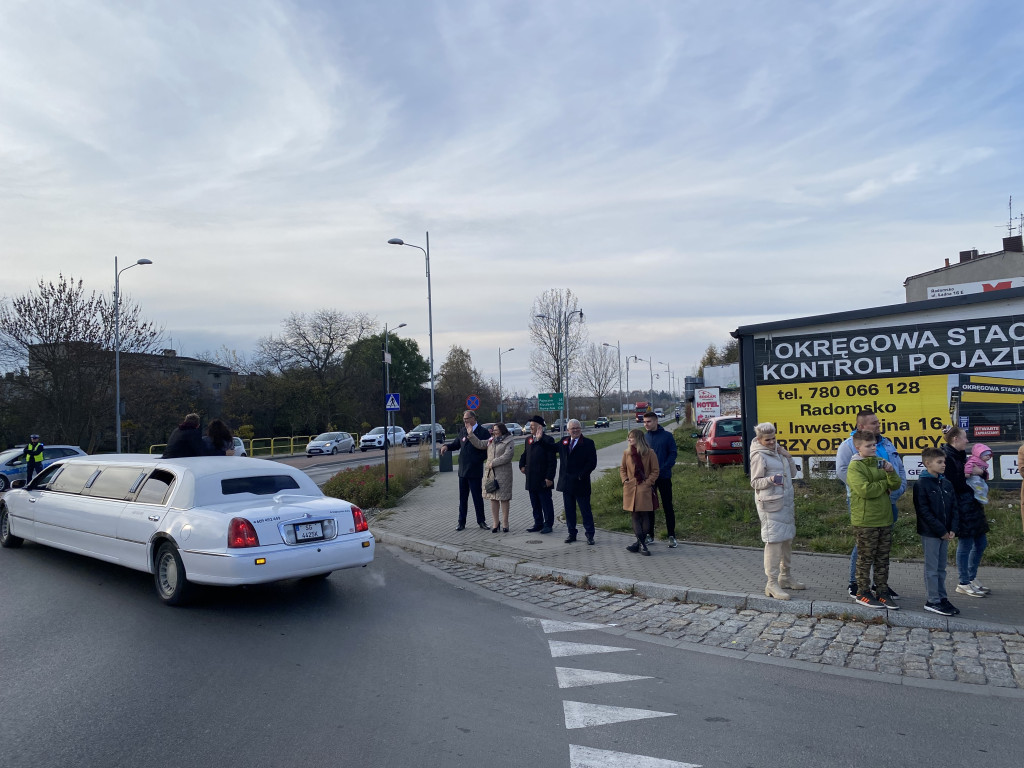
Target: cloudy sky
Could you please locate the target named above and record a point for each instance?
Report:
(684, 167)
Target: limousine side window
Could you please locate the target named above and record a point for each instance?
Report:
(74, 478)
(261, 485)
(115, 483)
(42, 480)
(156, 488)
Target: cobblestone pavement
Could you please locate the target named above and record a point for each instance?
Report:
(991, 659)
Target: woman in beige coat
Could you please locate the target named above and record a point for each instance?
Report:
(639, 470)
(771, 476)
(498, 467)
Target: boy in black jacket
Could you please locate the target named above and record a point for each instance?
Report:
(937, 515)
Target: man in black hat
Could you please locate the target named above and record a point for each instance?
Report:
(538, 463)
(577, 458)
(33, 457)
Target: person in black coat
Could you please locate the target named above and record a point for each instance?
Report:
(185, 440)
(471, 443)
(577, 458)
(538, 463)
(973, 523)
(937, 507)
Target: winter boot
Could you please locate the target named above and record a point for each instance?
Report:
(786, 579)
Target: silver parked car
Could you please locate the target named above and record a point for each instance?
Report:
(331, 443)
(516, 430)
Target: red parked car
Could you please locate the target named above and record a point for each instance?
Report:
(720, 442)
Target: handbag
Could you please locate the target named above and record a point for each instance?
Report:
(491, 486)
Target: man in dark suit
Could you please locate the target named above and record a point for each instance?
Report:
(538, 463)
(471, 443)
(577, 458)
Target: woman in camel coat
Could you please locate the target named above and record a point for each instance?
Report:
(639, 470)
(498, 466)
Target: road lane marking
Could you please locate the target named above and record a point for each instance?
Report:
(574, 678)
(580, 714)
(561, 648)
(587, 757)
(567, 626)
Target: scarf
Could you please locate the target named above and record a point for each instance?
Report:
(638, 465)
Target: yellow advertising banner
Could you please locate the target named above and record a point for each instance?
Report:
(812, 419)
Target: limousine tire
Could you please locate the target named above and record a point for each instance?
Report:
(169, 574)
(7, 539)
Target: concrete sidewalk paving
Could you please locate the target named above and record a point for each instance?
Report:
(709, 574)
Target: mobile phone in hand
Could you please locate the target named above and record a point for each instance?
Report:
(777, 479)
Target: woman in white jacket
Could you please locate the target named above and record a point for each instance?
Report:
(771, 477)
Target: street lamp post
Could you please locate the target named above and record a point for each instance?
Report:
(430, 327)
(618, 357)
(117, 345)
(648, 361)
(387, 371)
(670, 388)
(501, 402)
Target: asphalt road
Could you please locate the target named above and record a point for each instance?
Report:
(398, 665)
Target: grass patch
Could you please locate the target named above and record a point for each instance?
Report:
(717, 506)
(364, 486)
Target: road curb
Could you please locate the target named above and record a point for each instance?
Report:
(683, 594)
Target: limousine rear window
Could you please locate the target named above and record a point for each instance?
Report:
(115, 482)
(261, 485)
(73, 478)
(156, 487)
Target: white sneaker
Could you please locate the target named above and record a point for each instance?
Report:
(970, 591)
(672, 543)
(650, 539)
(980, 587)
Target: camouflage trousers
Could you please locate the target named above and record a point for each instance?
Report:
(873, 545)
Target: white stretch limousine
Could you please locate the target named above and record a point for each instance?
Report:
(208, 520)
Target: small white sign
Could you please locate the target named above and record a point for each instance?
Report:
(707, 404)
(1008, 469)
(999, 284)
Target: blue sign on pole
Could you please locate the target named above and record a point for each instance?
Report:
(393, 402)
(965, 422)
(472, 402)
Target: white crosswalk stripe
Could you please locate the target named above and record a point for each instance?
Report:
(587, 757)
(580, 714)
(574, 678)
(560, 648)
(566, 626)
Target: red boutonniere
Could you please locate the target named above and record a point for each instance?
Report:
(566, 441)
(529, 440)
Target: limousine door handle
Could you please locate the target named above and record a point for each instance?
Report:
(155, 518)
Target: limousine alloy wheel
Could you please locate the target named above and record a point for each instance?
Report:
(171, 584)
(7, 539)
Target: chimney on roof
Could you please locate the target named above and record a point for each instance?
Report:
(968, 255)
(1015, 243)
(170, 353)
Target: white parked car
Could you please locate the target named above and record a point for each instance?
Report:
(239, 447)
(332, 443)
(204, 520)
(375, 438)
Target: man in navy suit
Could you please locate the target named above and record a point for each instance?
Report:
(577, 458)
(471, 443)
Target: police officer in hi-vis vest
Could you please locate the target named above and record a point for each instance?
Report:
(33, 458)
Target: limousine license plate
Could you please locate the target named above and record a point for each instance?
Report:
(309, 531)
(737, 443)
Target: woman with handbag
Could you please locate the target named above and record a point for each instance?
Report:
(771, 476)
(639, 470)
(498, 474)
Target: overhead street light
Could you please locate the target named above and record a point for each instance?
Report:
(651, 367)
(430, 331)
(618, 365)
(501, 402)
(117, 344)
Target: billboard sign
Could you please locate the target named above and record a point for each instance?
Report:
(707, 404)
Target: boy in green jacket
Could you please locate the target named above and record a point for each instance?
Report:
(870, 480)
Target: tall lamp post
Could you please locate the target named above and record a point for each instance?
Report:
(430, 327)
(562, 330)
(117, 345)
(671, 392)
(501, 402)
(651, 367)
(389, 421)
(618, 357)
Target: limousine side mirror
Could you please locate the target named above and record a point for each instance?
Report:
(18, 484)
(695, 434)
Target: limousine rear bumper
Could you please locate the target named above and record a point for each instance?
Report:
(242, 566)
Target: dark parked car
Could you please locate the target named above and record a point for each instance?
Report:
(720, 442)
(421, 434)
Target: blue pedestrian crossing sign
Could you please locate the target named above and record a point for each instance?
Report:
(393, 402)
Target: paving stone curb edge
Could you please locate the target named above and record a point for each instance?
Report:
(739, 601)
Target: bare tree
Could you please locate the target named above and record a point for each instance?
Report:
(598, 371)
(62, 340)
(553, 312)
(315, 342)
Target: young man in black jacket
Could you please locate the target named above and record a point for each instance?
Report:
(936, 505)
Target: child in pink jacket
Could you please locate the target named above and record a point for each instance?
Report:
(976, 470)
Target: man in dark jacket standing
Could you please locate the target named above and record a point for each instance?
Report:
(33, 457)
(663, 443)
(185, 440)
(577, 458)
(538, 463)
(471, 443)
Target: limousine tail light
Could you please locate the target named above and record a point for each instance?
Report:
(241, 534)
(359, 519)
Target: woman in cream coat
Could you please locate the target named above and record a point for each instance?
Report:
(771, 476)
(638, 470)
(498, 466)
